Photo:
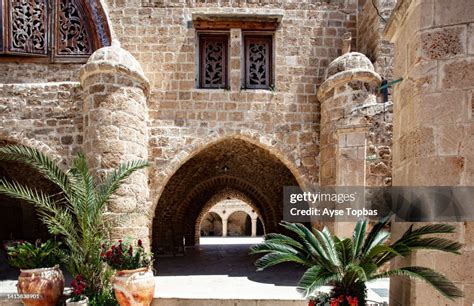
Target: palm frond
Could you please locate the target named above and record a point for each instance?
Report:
(437, 228)
(113, 180)
(283, 239)
(46, 207)
(38, 161)
(309, 241)
(358, 237)
(374, 232)
(344, 250)
(314, 278)
(435, 279)
(275, 258)
(435, 243)
(267, 247)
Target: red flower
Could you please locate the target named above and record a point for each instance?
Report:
(312, 303)
(140, 243)
(334, 302)
(353, 301)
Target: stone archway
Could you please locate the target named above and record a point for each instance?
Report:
(249, 170)
(211, 225)
(18, 218)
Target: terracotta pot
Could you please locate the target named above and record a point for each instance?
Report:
(83, 302)
(134, 287)
(46, 286)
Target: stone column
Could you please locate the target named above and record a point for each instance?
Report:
(254, 227)
(348, 99)
(235, 58)
(224, 227)
(115, 131)
(433, 127)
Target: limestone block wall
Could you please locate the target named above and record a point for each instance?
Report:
(370, 40)
(23, 72)
(433, 124)
(183, 119)
(43, 115)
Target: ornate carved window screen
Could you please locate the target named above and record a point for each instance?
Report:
(258, 73)
(48, 30)
(213, 52)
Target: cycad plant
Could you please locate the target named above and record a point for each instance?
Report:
(76, 213)
(347, 264)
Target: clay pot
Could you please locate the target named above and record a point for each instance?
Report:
(45, 285)
(83, 302)
(134, 287)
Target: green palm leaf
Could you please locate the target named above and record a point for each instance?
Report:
(349, 263)
(275, 258)
(39, 161)
(313, 279)
(435, 279)
(358, 238)
(77, 213)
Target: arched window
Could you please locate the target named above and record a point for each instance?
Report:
(52, 30)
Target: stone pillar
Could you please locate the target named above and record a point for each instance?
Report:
(348, 99)
(254, 227)
(224, 227)
(115, 131)
(235, 58)
(433, 127)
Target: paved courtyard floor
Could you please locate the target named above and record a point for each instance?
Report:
(220, 268)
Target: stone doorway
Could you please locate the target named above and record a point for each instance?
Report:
(229, 169)
(231, 217)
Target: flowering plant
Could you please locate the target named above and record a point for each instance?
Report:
(78, 287)
(124, 256)
(344, 301)
(26, 255)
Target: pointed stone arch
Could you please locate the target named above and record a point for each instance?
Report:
(233, 163)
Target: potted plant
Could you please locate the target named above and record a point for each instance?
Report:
(40, 276)
(133, 280)
(77, 295)
(347, 264)
(74, 215)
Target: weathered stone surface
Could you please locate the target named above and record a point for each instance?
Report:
(443, 43)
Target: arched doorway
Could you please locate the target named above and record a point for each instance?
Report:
(238, 218)
(237, 224)
(211, 225)
(18, 218)
(250, 171)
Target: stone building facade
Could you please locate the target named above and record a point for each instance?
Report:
(315, 121)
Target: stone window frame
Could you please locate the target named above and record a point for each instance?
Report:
(248, 36)
(203, 35)
(90, 15)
